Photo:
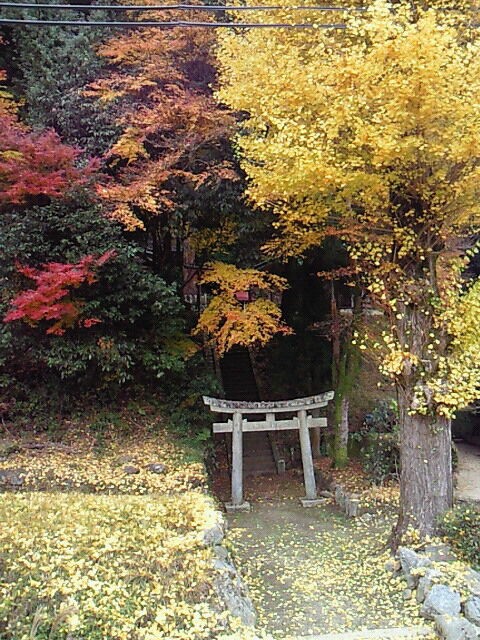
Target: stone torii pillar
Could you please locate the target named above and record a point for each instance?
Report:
(237, 425)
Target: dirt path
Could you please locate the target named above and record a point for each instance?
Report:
(312, 571)
(468, 472)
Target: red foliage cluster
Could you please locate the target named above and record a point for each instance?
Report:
(51, 299)
(36, 164)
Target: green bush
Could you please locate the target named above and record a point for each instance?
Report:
(141, 334)
(380, 446)
(461, 528)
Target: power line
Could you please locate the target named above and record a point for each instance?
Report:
(168, 7)
(137, 24)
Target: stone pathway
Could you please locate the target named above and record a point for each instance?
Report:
(313, 572)
(468, 472)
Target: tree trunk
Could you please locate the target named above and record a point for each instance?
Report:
(315, 439)
(426, 486)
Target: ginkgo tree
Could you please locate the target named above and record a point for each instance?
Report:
(372, 132)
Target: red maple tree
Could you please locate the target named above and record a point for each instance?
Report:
(52, 297)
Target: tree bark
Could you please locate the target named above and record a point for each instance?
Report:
(315, 439)
(426, 486)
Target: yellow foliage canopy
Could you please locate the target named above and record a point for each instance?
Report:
(373, 131)
(230, 322)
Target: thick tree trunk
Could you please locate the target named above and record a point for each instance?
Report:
(426, 487)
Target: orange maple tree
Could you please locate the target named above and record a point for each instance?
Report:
(173, 135)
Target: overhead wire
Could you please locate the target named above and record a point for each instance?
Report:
(138, 24)
(32, 22)
(173, 7)
(166, 24)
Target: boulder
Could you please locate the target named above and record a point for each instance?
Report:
(220, 552)
(410, 560)
(425, 583)
(456, 628)
(440, 552)
(471, 610)
(441, 600)
(232, 592)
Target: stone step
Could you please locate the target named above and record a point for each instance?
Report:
(379, 634)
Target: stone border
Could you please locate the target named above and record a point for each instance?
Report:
(228, 584)
(349, 503)
(454, 619)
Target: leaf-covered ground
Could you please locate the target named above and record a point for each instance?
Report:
(312, 571)
(95, 545)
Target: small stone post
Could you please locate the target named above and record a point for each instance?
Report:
(307, 461)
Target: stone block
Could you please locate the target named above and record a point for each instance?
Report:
(456, 628)
(232, 508)
(441, 600)
(308, 502)
(352, 506)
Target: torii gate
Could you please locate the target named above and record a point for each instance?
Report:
(237, 425)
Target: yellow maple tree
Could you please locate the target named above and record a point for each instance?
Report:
(228, 320)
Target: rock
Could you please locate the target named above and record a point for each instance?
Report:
(456, 628)
(125, 459)
(220, 552)
(225, 566)
(425, 583)
(409, 561)
(214, 535)
(472, 579)
(232, 592)
(131, 470)
(368, 517)
(392, 565)
(407, 594)
(157, 467)
(326, 494)
(439, 553)
(441, 600)
(472, 610)
(12, 477)
(8, 448)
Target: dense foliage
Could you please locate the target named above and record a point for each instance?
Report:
(380, 440)
(461, 526)
(138, 330)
